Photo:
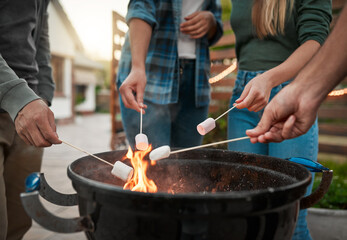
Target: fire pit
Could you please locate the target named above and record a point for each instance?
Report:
(202, 194)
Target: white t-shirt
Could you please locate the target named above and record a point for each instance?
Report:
(186, 45)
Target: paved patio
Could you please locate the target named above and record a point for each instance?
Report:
(92, 133)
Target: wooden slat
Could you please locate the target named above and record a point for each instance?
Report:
(330, 148)
(329, 129)
(226, 40)
(221, 95)
(213, 108)
(222, 54)
(333, 112)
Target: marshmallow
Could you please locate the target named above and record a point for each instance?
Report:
(141, 141)
(122, 171)
(206, 126)
(160, 153)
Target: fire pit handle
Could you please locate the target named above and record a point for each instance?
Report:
(324, 185)
(37, 181)
(36, 211)
(322, 189)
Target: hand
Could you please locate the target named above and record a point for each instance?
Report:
(35, 125)
(290, 114)
(133, 88)
(256, 94)
(198, 24)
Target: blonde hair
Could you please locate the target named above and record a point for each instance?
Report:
(268, 16)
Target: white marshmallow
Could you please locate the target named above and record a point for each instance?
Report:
(160, 153)
(122, 171)
(206, 126)
(141, 141)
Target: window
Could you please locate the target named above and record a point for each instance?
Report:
(58, 73)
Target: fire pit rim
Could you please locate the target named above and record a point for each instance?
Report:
(242, 194)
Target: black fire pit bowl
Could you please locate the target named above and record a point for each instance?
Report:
(202, 194)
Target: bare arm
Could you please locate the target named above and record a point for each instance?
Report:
(293, 110)
(257, 92)
(140, 36)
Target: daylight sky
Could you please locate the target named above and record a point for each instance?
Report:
(92, 20)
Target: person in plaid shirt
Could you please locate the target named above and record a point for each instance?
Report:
(165, 67)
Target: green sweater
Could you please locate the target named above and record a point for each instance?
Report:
(309, 20)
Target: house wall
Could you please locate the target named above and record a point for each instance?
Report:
(60, 39)
(62, 105)
(63, 45)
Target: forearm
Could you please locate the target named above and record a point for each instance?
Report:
(140, 36)
(14, 93)
(294, 63)
(328, 66)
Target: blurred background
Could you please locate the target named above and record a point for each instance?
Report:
(86, 38)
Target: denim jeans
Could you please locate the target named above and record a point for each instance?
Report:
(305, 146)
(169, 124)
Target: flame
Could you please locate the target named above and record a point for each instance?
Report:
(139, 182)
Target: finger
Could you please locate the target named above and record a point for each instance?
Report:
(22, 133)
(242, 97)
(262, 139)
(191, 22)
(51, 121)
(257, 107)
(263, 126)
(191, 16)
(38, 137)
(254, 140)
(25, 139)
(129, 98)
(49, 135)
(247, 102)
(193, 29)
(139, 97)
(273, 136)
(288, 126)
(198, 36)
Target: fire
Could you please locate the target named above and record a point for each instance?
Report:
(139, 182)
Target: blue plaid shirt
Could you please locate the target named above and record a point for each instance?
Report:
(162, 68)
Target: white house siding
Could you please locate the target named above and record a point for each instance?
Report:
(61, 40)
(63, 45)
(61, 106)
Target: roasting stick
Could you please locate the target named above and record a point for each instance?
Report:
(119, 169)
(79, 149)
(210, 123)
(141, 140)
(225, 113)
(165, 151)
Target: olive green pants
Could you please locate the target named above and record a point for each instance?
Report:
(17, 161)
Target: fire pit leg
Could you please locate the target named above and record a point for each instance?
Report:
(36, 211)
(37, 181)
